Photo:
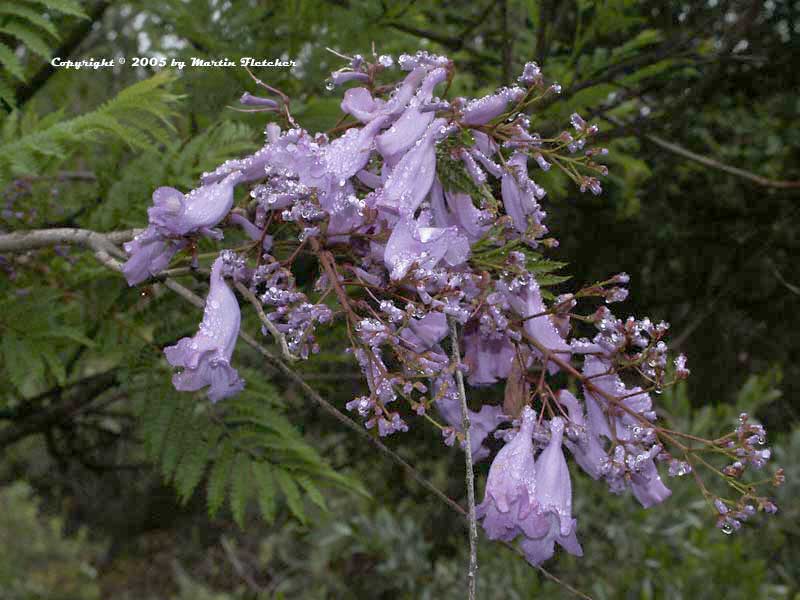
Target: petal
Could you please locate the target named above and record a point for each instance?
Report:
(412, 177)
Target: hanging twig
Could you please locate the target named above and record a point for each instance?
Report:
(472, 572)
(279, 337)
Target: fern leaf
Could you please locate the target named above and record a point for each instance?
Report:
(30, 15)
(265, 490)
(193, 463)
(11, 63)
(290, 490)
(29, 37)
(313, 492)
(218, 479)
(240, 488)
(69, 7)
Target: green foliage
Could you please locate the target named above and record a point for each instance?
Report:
(138, 116)
(36, 560)
(245, 447)
(28, 24)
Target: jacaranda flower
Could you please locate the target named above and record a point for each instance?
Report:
(553, 511)
(205, 358)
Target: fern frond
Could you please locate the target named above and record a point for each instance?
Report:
(68, 7)
(10, 62)
(26, 13)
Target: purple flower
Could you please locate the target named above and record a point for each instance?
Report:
(483, 110)
(175, 213)
(412, 123)
(488, 358)
(554, 502)
(348, 154)
(411, 244)
(205, 358)
(360, 103)
(520, 194)
(150, 253)
(525, 299)
(587, 450)
(511, 485)
(422, 334)
(647, 486)
(412, 177)
(481, 423)
(249, 100)
(253, 232)
(457, 209)
(340, 77)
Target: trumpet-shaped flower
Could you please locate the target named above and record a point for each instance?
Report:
(205, 358)
(553, 502)
(511, 485)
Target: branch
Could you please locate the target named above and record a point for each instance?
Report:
(710, 162)
(279, 337)
(46, 419)
(472, 573)
(21, 241)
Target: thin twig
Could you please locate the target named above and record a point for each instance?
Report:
(279, 337)
(710, 162)
(472, 573)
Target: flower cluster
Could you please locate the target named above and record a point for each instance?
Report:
(424, 217)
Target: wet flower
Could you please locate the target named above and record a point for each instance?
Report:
(511, 485)
(553, 502)
(205, 358)
(149, 254)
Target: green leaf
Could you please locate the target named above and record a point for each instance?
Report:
(11, 63)
(265, 490)
(293, 498)
(218, 479)
(240, 489)
(28, 14)
(313, 492)
(191, 468)
(69, 7)
(29, 37)
(67, 333)
(55, 365)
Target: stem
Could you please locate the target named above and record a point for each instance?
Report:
(472, 573)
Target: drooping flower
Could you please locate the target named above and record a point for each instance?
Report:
(525, 298)
(424, 246)
(457, 209)
(553, 502)
(176, 213)
(422, 334)
(488, 358)
(412, 123)
(587, 449)
(520, 194)
(149, 254)
(647, 486)
(205, 358)
(511, 485)
(412, 177)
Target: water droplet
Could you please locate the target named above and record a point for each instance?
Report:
(727, 528)
(329, 85)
